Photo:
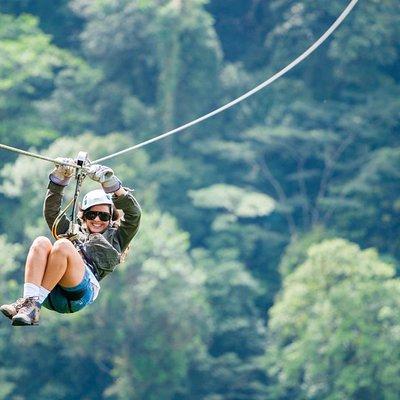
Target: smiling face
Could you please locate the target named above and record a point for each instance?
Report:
(97, 225)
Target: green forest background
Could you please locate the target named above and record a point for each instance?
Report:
(266, 266)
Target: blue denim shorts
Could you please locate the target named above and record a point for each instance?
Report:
(70, 300)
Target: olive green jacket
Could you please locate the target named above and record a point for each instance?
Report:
(101, 251)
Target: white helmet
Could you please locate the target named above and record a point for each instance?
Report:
(96, 197)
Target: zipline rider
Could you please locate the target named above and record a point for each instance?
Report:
(65, 276)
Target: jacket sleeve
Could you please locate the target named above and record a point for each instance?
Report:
(131, 220)
(52, 207)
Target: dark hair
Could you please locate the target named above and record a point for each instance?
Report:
(115, 214)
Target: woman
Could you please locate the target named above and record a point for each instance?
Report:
(65, 276)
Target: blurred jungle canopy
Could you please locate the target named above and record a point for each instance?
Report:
(266, 263)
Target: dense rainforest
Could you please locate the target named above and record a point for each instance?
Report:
(266, 266)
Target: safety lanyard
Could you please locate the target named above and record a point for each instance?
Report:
(80, 175)
(72, 234)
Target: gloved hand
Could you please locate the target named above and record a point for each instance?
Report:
(105, 176)
(61, 174)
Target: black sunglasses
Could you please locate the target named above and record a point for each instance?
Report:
(91, 215)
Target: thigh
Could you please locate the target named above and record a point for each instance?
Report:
(75, 269)
(65, 253)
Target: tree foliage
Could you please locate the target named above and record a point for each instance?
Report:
(27, 68)
(331, 331)
(232, 207)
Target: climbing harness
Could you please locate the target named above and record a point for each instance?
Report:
(251, 92)
(73, 232)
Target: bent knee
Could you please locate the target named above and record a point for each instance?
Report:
(41, 244)
(63, 246)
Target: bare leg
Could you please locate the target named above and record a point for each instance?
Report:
(64, 266)
(35, 268)
(36, 260)
(46, 266)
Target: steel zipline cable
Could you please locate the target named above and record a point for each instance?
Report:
(251, 92)
(40, 157)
